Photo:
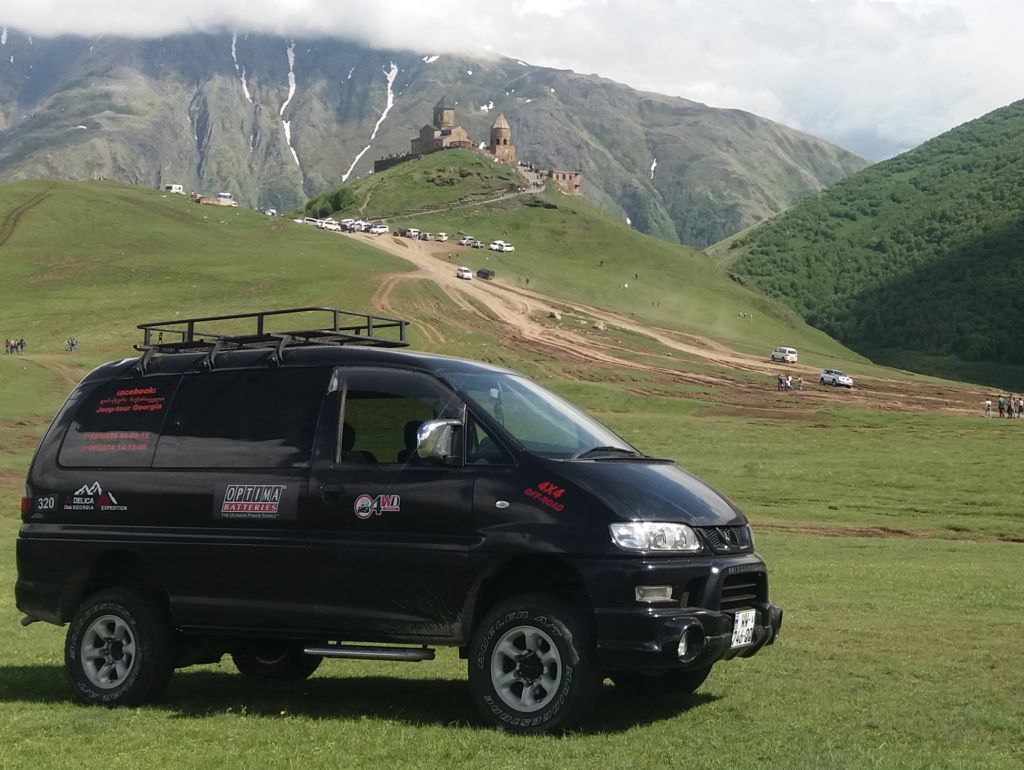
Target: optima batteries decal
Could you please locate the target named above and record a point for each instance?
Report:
(259, 502)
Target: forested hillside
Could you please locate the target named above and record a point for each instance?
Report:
(916, 261)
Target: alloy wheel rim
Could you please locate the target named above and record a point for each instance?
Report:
(108, 652)
(526, 668)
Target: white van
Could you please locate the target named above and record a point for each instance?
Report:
(785, 355)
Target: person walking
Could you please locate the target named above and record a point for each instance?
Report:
(1002, 407)
(988, 407)
(1009, 408)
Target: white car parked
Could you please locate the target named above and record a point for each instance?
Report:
(835, 378)
(507, 247)
(441, 237)
(785, 355)
(334, 227)
(379, 229)
(464, 273)
(467, 240)
(497, 246)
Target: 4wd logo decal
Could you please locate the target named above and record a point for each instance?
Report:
(91, 497)
(547, 494)
(366, 506)
(238, 500)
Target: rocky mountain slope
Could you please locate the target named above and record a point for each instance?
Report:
(276, 121)
(915, 261)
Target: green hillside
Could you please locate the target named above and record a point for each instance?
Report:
(92, 259)
(428, 182)
(915, 261)
(568, 248)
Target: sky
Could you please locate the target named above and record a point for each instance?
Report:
(874, 76)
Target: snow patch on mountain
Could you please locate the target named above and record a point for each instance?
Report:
(3, 36)
(431, 59)
(291, 93)
(390, 74)
(487, 107)
(654, 165)
(291, 77)
(240, 71)
(349, 77)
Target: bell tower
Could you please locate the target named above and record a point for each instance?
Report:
(501, 146)
(444, 114)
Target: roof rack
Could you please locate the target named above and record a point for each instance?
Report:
(243, 331)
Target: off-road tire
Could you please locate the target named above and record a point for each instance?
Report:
(668, 683)
(534, 648)
(119, 649)
(275, 662)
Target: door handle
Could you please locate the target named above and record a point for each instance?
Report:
(330, 493)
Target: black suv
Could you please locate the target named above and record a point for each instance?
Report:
(289, 496)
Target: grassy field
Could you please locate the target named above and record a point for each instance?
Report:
(893, 542)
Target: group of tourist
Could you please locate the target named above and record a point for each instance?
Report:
(15, 346)
(785, 382)
(1008, 406)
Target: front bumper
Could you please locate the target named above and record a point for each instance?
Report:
(648, 639)
(707, 592)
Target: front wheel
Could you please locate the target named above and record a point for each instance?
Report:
(531, 666)
(276, 662)
(119, 649)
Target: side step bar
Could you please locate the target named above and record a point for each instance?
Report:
(413, 654)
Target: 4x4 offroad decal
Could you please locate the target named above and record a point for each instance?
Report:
(547, 494)
(238, 500)
(366, 506)
(91, 497)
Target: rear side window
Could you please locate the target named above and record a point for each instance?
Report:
(118, 424)
(261, 418)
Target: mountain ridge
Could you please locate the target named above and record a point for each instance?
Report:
(277, 121)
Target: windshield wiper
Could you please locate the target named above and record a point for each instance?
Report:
(616, 451)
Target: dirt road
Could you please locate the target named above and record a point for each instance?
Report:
(523, 314)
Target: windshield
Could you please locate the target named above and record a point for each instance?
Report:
(536, 418)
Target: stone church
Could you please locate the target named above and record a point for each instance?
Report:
(443, 134)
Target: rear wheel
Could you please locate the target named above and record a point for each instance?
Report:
(276, 662)
(119, 649)
(666, 683)
(531, 666)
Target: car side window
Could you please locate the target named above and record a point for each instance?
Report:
(383, 410)
(117, 425)
(252, 418)
(481, 447)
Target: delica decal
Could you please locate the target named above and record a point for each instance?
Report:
(92, 497)
(239, 500)
(366, 506)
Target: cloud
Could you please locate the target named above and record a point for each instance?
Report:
(876, 76)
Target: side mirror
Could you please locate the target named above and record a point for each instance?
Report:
(435, 440)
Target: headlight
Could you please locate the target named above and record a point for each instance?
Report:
(654, 536)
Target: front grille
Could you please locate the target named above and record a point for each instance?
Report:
(741, 589)
(727, 539)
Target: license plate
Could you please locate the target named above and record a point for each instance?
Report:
(743, 628)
